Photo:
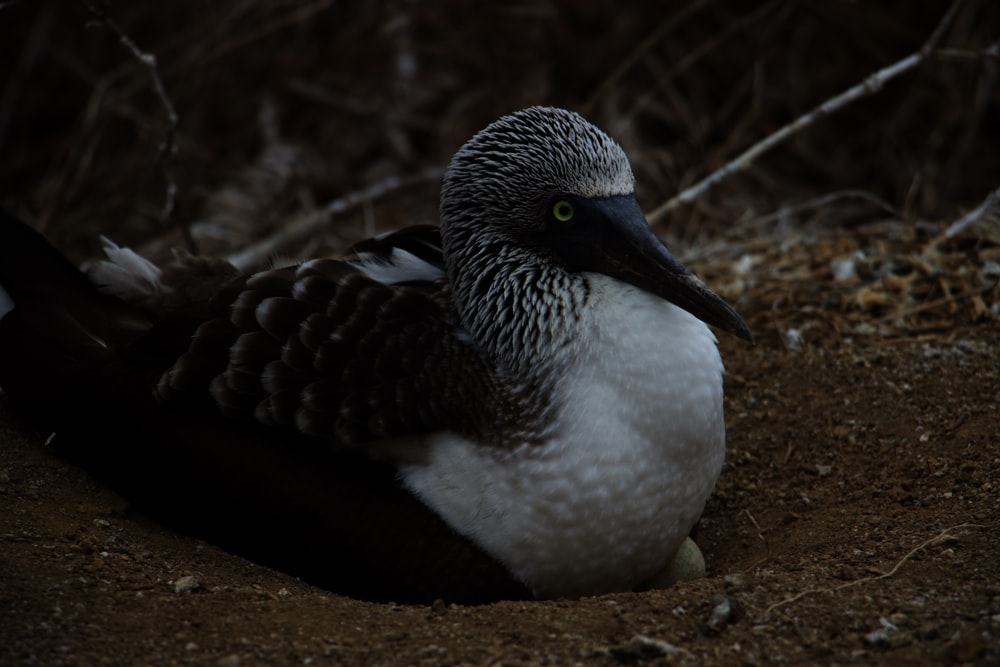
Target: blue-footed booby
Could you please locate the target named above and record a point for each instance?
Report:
(526, 402)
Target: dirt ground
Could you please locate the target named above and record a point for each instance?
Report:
(855, 523)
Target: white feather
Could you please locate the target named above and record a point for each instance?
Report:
(402, 266)
(127, 275)
(639, 444)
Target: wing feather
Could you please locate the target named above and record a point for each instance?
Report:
(327, 350)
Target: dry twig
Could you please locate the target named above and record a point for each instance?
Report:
(293, 233)
(869, 86)
(297, 15)
(168, 147)
(644, 46)
(824, 201)
(885, 575)
(988, 211)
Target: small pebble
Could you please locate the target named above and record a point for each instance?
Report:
(642, 647)
(889, 636)
(185, 584)
(793, 339)
(877, 638)
(722, 614)
(734, 580)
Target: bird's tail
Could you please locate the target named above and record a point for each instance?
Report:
(57, 330)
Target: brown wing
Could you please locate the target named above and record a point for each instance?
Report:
(326, 350)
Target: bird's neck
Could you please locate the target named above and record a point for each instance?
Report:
(519, 307)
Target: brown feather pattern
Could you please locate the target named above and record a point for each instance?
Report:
(326, 350)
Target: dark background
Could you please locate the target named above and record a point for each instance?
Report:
(284, 106)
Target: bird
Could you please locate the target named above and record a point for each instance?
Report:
(524, 402)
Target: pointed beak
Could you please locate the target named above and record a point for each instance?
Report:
(611, 236)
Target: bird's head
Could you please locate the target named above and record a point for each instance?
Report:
(545, 182)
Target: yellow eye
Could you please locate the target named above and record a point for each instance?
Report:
(562, 211)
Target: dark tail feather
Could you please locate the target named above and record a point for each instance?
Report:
(28, 261)
(57, 331)
(37, 278)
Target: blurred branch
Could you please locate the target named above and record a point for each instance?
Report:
(988, 211)
(692, 57)
(20, 77)
(644, 46)
(869, 86)
(168, 147)
(306, 226)
(824, 201)
(299, 15)
(992, 52)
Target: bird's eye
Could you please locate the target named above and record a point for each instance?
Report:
(562, 211)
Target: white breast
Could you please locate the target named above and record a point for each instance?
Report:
(640, 443)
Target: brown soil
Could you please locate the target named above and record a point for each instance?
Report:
(856, 522)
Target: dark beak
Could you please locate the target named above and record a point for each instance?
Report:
(611, 236)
